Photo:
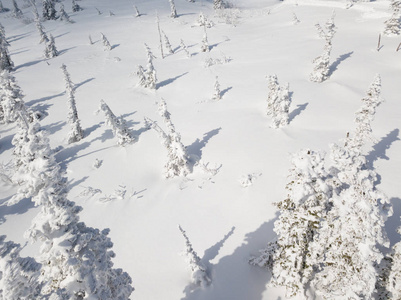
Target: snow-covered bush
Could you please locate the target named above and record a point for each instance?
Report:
(393, 25)
(199, 272)
(11, 98)
(18, 276)
(75, 6)
(76, 133)
(49, 10)
(173, 13)
(204, 21)
(118, 125)
(278, 102)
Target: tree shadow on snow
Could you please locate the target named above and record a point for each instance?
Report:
(28, 64)
(61, 52)
(89, 130)
(77, 85)
(114, 46)
(66, 155)
(196, 147)
(233, 277)
(54, 127)
(19, 208)
(17, 37)
(297, 111)
(394, 222)
(73, 183)
(170, 80)
(338, 61)
(379, 150)
(32, 102)
(223, 92)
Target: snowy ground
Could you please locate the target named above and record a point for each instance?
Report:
(226, 222)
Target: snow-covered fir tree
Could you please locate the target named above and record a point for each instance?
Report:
(178, 159)
(18, 275)
(199, 272)
(11, 98)
(205, 44)
(218, 4)
(76, 259)
(217, 92)
(321, 63)
(167, 43)
(2, 8)
(75, 6)
(43, 36)
(148, 77)
(49, 10)
(393, 280)
(393, 25)
(118, 125)
(294, 257)
(137, 13)
(51, 50)
(5, 61)
(76, 133)
(173, 13)
(278, 102)
(105, 42)
(63, 15)
(185, 48)
(17, 12)
(204, 21)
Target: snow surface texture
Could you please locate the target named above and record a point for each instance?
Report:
(124, 188)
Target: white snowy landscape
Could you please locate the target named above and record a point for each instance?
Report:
(233, 150)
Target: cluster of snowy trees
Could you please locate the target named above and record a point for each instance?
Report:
(331, 232)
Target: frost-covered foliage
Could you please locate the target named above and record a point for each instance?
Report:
(18, 276)
(75, 6)
(217, 92)
(199, 272)
(63, 15)
(167, 43)
(278, 102)
(204, 21)
(17, 12)
(147, 78)
(393, 280)
(393, 25)
(295, 254)
(321, 63)
(295, 19)
(5, 61)
(173, 13)
(106, 43)
(76, 259)
(51, 50)
(76, 133)
(11, 98)
(205, 44)
(118, 125)
(49, 10)
(219, 4)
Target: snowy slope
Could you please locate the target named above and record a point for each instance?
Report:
(226, 222)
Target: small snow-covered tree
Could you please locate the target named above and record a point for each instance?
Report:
(203, 21)
(51, 50)
(137, 13)
(321, 63)
(294, 257)
(185, 48)
(18, 275)
(205, 44)
(199, 272)
(17, 12)
(218, 4)
(106, 42)
(178, 159)
(118, 125)
(278, 102)
(173, 13)
(11, 98)
(63, 15)
(147, 78)
(5, 61)
(167, 43)
(393, 25)
(76, 133)
(75, 6)
(295, 19)
(217, 92)
(49, 10)
(39, 27)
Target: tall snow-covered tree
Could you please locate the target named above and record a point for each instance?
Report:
(76, 133)
(118, 125)
(43, 36)
(5, 61)
(393, 25)
(51, 50)
(76, 259)
(63, 15)
(321, 63)
(11, 98)
(205, 44)
(278, 102)
(217, 92)
(18, 275)
(167, 43)
(49, 10)
(17, 12)
(106, 42)
(294, 257)
(75, 6)
(147, 77)
(199, 272)
(173, 13)
(185, 48)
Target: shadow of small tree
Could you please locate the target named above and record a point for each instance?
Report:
(232, 277)
(195, 149)
(338, 61)
(379, 150)
(168, 81)
(297, 111)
